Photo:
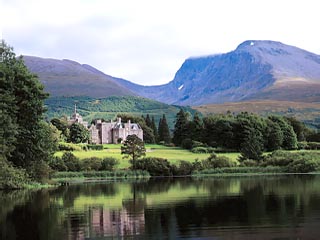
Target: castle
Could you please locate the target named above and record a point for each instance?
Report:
(108, 132)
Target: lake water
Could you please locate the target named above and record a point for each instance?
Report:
(237, 208)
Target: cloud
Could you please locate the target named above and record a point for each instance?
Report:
(147, 41)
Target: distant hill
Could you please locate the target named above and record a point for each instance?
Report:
(91, 108)
(69, 78)
(306, 112)
(255, 70)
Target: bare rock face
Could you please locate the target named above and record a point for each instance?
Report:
(255, 70)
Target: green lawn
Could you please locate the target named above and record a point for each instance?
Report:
(173, 154)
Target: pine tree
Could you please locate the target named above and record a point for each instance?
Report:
(181, 131)
(196, 127)
(164, 132)
(155, 130)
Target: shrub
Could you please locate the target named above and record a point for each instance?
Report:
(302, 145)
(184, 168)
(155, 166)
(57, 164)
(199, 150)
(302, 166)
(186, 143)
(109, 164)
(91, 164)
(68, 147)
(11, 177)
(39, 171)
(95, 147)
(248, 163)
(214, 161)
(312, 146)
(71, 161)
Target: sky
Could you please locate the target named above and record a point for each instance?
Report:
(147, 41)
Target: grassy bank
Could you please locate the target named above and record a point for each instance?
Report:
(61, 177)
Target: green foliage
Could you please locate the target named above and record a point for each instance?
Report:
(163, 130)
(184, 168)
(91, 164)
(199, 150)
(215, 161)
(109, 164)
(11, 177)
(63, 146)
(134, 148)
(58, 164)
(181, 128)
(25, 139)
(297, 162)
(238, 170)
(155, 166)
(78, 133)
(95, 147)
(122, 174)
(72, 162)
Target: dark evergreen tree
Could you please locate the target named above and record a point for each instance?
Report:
(155, 130)
(148, 121)
(252, 145)
(196, 128)
(181, 130)
(164, 132)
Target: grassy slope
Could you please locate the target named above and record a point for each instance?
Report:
(174, 155)
(107, 108)
(307, 112)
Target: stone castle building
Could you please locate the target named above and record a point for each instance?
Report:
(108, 132)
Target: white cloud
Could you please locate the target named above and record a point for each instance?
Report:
(147, 41)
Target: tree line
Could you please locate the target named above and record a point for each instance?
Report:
(247, 133)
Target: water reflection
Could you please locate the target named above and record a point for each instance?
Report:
(222, 208)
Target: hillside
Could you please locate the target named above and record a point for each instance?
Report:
(306, 112)
(255, 70)
(107, 108)
(69, 78)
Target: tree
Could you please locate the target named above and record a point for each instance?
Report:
(289, 136)
(23, 132)
(274, 136)
(78, 133)
(181, 130)
(252, 145)
(164, 132)
(155, 130)
(133, 147)
(196, 127)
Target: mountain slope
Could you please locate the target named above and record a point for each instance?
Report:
(255, 70)
(69, 78)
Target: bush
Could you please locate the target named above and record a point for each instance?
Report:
(68, 147)
(186, 143)
(215, 161)
(199, 150)
(57, 164)
(39, 171)
(109, 164)
(155, 166)
(302, 166)
(302, 145)
(312, 146)
(10, 177)
(71, 161)
(297, 162)
(91, 164)
(184, 168)
(249, 163)
(239, 170)
(95, 147)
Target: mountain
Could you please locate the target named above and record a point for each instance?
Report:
(108, 108)
(69, 78)
(255, 70)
